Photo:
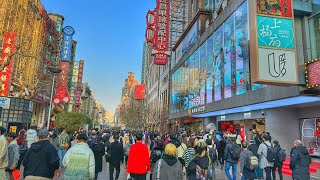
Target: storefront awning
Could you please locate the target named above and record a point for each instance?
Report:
(264, 105)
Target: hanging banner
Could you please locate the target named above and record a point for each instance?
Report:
(77, 101)
(62, 94)
(7, 51)
(161, 52)
(68, 32)
(139, 92)
(273, 56)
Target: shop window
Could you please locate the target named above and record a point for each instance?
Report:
(314, 26)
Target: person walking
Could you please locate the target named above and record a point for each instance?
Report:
(126, 148)
(221, 148)
(249, 135)
(116, 157)
(245, 172)
(231, 157)
(300, 161)
(13, 153)
(139, 159)
(3, 154)
(189, 152)
(199, 166)
(23, 146)
(31, 135)
(79, 161)
(180, 150)
(156, 154)
(98, 151)
(280, 158)
(168, 168)
(63, 144)
(212, 152)
(263, 155)
(253, 147)
(41, 161)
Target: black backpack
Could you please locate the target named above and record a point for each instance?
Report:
(282, 155)
(235, 151)
(213, 154)
(271, 155)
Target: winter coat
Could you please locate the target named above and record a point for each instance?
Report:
(138, 159)
(300, 162)
(13, 153)
(156, 154)
(41, 160)
(202, 161)
(3, 152)
(31, 136)
(116, 153)
(188, 155)
(126, 148)
(79, 163)
(254, 149)
(247, 173)
(262, 152)
(98, 151)
(168, 168)
(276, 149)
(221, 147)
(228, 155)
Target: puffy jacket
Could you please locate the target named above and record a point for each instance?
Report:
(300, 162)
(41, 160)
(13, 153)
(203, 161)
(3, 152)
(227, 153)
(31, 136)
(139, 159)
(79, 163)
(170, 169)
(262, 152)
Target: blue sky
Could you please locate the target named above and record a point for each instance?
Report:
(110, 35)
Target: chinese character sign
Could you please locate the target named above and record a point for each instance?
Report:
(161, 53)
(77, 101)
(62, 94)
(275, 32)
(68, 32)
(7, 51)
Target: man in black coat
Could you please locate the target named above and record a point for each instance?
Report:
(41, 160)
(117, 155)
(300, 161)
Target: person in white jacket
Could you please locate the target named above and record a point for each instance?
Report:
(31, 136)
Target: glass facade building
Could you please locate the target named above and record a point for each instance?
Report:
(218, 69)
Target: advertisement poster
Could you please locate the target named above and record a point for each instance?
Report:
(275, 7)
(185, 105)
(218, 63)
(203, 73)
(242, 51)
(228, 52)
(275, 32)
(209, 83)
(190, 38)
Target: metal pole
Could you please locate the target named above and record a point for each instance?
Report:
(50, 106)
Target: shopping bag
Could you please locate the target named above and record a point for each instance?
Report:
(16, 174)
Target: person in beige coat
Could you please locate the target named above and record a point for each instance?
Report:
(3, 154)
(262, 152)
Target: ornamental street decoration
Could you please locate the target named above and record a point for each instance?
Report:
(62, 94)
(7, 51)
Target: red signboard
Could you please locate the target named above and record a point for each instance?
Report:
(5, 75)
(161, 53)
(276, 8)
(313, 73)
(62, 94)
(77, 101)
(139, 92)
(150, 19)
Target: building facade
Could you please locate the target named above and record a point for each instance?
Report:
(212, 74)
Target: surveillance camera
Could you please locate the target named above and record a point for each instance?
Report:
(262, 113)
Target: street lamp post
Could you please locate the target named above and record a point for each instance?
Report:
(54, 71)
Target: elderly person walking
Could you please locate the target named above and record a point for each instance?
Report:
(300, 161)
(263, 152)
(168, 168)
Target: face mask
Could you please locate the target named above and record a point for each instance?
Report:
(93, 134)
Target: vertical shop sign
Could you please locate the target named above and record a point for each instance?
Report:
(78, 88)
(161, 52)
(7, 51)
(139, 92)
(62, 94)
(272, 48)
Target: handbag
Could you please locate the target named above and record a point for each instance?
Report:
(16, 174)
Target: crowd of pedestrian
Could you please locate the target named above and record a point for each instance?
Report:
(47, 154)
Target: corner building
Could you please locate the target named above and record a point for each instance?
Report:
(212, 71)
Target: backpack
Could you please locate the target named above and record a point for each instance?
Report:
(271, 155)
(281, 155)
(252, 162)
(235, 151)
(213, 154)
